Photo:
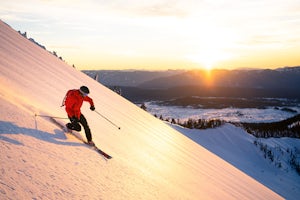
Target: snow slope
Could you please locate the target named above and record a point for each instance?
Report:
(237, 147)
(150, 159)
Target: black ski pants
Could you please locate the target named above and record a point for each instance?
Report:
(75, 125)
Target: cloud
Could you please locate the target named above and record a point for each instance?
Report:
(161, 9)
(164, 27)
(146, 8)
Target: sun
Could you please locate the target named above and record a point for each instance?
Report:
(208, 62)
(210, 45)
(208, 59)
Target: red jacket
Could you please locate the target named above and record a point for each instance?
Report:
(73, 103)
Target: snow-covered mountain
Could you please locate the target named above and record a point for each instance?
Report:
(151, 160)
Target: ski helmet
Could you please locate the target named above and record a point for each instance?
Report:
(84, 90)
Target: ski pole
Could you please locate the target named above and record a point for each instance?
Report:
(50, 116)
(108, 120)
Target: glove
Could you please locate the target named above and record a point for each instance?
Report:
(92, 108)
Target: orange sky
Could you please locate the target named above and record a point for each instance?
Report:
(162, 34)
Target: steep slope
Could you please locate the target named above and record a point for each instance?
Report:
(151, 160)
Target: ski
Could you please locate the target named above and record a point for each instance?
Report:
(66, 130)
(98, 150)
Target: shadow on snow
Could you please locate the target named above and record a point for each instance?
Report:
(7, 128)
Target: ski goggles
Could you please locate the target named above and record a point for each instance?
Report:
(83, 93)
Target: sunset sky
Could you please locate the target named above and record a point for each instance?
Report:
(162, 34)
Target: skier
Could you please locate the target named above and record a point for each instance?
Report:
(73, 102)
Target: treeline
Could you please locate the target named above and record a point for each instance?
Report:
(190, 123)
(286, 128)
(279, 155)
(202, 123)
(42, 46)
(195, 123)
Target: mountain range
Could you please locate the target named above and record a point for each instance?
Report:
(287, 77)
(163, 85)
